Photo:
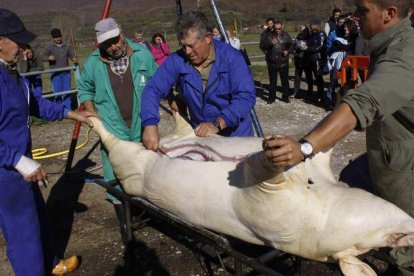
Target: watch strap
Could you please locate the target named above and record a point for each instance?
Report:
(306, 156)
(217, 125)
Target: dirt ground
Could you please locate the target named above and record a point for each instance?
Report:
(85, 224)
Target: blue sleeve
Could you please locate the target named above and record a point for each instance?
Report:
(329, 41)
(242, 89)
(158, 87)
(8, 157)
(38, 85)
(45, 109)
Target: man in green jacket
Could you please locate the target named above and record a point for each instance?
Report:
(383, 105)
(111, 84)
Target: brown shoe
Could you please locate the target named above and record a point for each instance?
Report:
(66, 265)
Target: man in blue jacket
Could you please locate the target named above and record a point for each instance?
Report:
(22, 207)
(215, 82)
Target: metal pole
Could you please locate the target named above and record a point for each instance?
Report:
(75, 134)
(179, 7)
(218, 20)
(107, 7)
(253, 115)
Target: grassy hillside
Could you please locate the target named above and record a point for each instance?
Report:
(156, 15)
(78, 17)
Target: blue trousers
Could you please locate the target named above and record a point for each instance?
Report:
(24, 223)
(61, 82)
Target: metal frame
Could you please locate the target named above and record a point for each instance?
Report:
(52, 94)
(213, 240)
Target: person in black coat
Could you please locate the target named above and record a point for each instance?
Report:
(299, 53)
(314, 61)
(277, 47)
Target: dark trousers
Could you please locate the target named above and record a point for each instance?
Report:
(284, 78)
(298, 77)
(312, 70)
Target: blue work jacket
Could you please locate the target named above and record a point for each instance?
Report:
(230, 92)
(17, 103)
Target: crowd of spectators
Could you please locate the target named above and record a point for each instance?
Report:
(137, 90)
(317, 50)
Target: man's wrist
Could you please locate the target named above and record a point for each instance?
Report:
(217, 125)
(26, 166)
(150, 122)
(306, 148)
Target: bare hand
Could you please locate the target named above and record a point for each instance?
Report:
(82, 116)
(174, 106)
(151, 137)
(38, 175)
(205, 129)
(51, 57)
(282, 151)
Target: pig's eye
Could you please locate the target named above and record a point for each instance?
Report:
(310, 181)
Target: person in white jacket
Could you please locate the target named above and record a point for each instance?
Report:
(234, 41)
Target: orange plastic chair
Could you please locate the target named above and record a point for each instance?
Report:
(355, 63)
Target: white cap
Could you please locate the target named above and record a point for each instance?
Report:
(106, 29)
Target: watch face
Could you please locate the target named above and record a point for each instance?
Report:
(306, 148)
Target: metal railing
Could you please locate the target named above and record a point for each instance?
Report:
(253, 43)
(49, 71)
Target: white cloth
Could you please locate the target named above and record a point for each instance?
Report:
(335, 60)
(27, 166)
(235, 42)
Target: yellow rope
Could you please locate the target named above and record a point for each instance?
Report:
(39, 153)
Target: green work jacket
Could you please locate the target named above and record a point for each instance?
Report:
(384, 106)
(95, 86)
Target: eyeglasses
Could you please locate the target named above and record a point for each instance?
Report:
(278, 29)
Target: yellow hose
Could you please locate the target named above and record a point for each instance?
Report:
(39, 152)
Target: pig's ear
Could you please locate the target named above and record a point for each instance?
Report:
(351, 265)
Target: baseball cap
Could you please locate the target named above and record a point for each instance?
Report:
(106, 29)
(12, 27)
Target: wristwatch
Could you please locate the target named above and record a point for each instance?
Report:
(217, 125)
(306, 148)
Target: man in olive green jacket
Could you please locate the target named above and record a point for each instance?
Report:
(111, 84)
(383, 105)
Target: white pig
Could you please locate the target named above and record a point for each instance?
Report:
(229, 186)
